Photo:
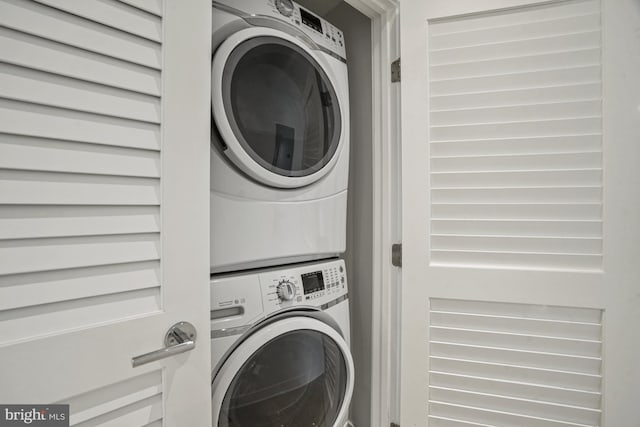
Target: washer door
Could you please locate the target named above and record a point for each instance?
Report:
(276, 108)
(294, 372)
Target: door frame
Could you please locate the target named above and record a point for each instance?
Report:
(385, 319)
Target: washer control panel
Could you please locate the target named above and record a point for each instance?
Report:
(319, 30)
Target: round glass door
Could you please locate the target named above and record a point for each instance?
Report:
(297, 379)
(281, 106)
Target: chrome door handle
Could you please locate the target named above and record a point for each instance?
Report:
(180, 337)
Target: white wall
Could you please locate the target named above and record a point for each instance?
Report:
(359, 255)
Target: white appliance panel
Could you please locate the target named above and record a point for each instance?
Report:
(255, 224)
(254, 308)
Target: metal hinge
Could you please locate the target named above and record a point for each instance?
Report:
(395, 71)
(396, 254)
(395, 425)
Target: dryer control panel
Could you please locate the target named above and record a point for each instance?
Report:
(315, 285)
(319, 30)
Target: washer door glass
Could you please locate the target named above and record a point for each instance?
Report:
(297, 379)
(281, 106)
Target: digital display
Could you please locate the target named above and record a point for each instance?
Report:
(312, 282)
(311, 21)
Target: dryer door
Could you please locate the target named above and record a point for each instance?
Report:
(294, 372)
(276, 106)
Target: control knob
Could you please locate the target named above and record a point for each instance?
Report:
(286, 290)
(285, 7)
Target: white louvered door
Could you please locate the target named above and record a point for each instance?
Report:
(104, 141)
(521, 241)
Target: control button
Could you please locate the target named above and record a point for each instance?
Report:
(286, 290)
(342, 279)
(341, 269)
(285, 7)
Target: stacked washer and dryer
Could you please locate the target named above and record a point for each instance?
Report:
(279, 173)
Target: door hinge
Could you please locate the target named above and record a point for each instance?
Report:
(396, 254)
(395, 425)
(395, 71)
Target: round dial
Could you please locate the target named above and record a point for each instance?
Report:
(285, 7)
(286, 290)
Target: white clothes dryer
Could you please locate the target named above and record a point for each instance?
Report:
(280, 144)
(280, 347)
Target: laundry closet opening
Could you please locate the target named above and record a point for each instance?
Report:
(289, 158)
(360, 232)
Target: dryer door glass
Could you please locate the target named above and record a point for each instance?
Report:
(281, 106)
(297, 379)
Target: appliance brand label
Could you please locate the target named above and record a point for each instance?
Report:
(34, 415)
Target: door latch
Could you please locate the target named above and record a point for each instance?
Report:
(395, 71)
(396, 254)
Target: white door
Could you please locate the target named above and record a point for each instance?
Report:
(104, 141)
(520, 130)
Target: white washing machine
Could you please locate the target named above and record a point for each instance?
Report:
(280, 347)
(280, 145)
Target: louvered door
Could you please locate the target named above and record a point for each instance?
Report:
(104, 121)
(520, 213)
